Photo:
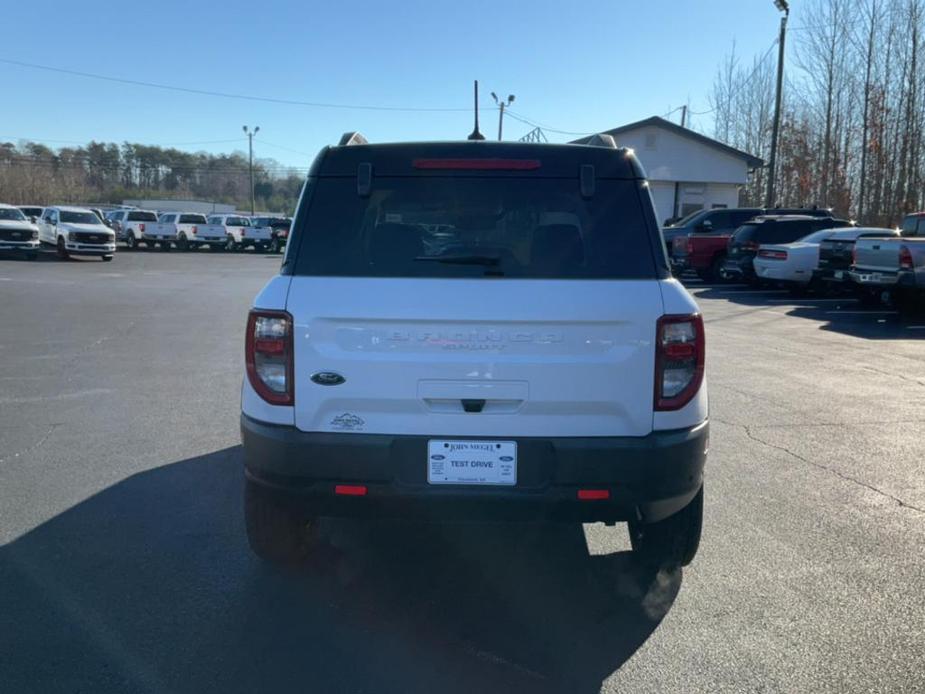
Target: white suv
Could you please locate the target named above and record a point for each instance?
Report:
(480, 331)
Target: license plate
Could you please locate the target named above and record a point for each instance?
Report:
(839, 274)
(472, 462)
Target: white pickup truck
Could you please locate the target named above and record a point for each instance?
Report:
(239, 233)
(129, 225)
(881, 263)
(175, 227)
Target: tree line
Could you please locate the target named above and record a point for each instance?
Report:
(853, 114)
(108, 173)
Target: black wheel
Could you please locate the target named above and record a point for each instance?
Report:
(131, 242)
(230, 245)
(716, 268)
(670, 542)
(107, 258)
(277, 530)
(182, 243)
(62, 249)
(275, 245)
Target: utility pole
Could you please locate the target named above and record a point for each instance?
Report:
(684, 115)
(501, 106)
(250, 149)
(772, 165)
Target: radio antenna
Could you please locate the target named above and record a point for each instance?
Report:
(475, 134)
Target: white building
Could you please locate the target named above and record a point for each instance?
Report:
(687, 171)
(191, 206)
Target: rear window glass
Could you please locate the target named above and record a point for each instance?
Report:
(192, 219)
(142, 217)
(474, 227)
(237, 222)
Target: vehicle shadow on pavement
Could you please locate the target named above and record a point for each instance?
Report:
(842, 314)
(149, 586)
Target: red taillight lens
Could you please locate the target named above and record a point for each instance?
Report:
(243, 232)
(679, 357)
(141, 228)
(350, 489)
(752, 245)
(690, 246)
(593, 494)
(772, 255)
(905, 258)
(195, 230)
(268, 355)
(478, 164)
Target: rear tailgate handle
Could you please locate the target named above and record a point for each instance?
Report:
(473, 405)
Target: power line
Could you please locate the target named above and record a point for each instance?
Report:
(527, 121)
(225, 95)
(87, 142)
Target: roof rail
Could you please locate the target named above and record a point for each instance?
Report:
(602, 140)
(352, 138)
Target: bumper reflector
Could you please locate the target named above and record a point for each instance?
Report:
(593, 494)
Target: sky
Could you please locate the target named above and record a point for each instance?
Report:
(574, 65)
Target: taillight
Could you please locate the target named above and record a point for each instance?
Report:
(243, 232)
(772, 255)
(195, 230)
(679, 357)
(690, 246)
(268, 355)
(905, 258)
(854, 254)
(752, 245)
(141, 228)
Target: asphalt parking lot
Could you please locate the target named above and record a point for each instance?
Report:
(124, 567)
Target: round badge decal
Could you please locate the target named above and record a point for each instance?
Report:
(327, 378)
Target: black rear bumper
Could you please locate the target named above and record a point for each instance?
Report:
(649, 477)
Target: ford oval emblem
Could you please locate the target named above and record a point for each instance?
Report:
(437, 456)
(327, 378)
(507, 458)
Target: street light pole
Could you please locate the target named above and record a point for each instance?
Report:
(772, 164)
(501, 106)
(250, 150)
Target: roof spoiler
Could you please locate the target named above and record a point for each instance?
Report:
(352, 138)
(602, 140)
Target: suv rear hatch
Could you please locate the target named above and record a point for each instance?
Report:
(469, 302)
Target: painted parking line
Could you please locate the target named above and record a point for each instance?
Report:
(815, 301)
(865, 313)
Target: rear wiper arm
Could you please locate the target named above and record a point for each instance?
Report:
(487, 260)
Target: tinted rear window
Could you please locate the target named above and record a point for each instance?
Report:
(774, 232)
(142, 217)
(237, 222)
(192, 219)
(473, 227)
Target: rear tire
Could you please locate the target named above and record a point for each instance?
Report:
(62, 249)
(671, 542)
(277, 530)
(230, 244)
(107, 258)
(275, 246)
(182, 243)
(131, 242)
(716, 269)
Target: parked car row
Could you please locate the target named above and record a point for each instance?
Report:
(89, 231)
(805, 252)
(189, 231)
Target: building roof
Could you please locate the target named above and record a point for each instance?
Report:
(751, 160)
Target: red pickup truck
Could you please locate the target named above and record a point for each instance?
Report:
(702, 253)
